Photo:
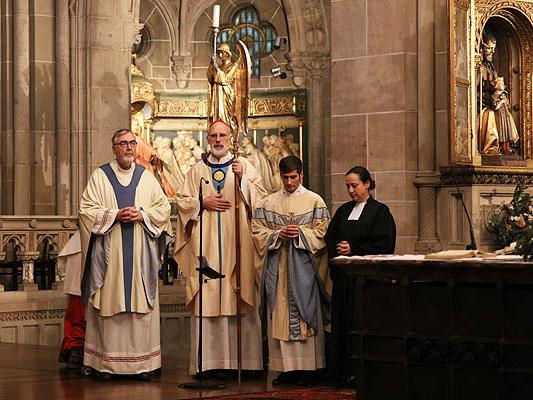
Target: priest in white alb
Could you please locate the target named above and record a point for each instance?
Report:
(289, 228)
(125, 228)
(216, 174)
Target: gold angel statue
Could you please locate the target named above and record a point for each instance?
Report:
(229, 88)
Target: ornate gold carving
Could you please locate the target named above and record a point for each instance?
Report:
(485, 176)
(460, 124)
(142, 90)
(259, 107)
(181, 108)
(271, 106)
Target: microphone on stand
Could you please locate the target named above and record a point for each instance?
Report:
(472, 245)
(201, 193)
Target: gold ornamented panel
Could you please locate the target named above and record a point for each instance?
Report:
(261, 106)
(460, 100)
(181, 108)
(272, 106)
(143, 92)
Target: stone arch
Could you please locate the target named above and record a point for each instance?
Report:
(169, 16)
(18, 241)
(299, 15)
(160, 20)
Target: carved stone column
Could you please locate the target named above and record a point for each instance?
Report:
(182, 69)
(79, 99)
(62, 108)
(427, 179)
(427, 241)
(6, 109)
(21, 110)
(28, 283)
(311, 70)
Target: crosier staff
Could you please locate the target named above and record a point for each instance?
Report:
(238, 268)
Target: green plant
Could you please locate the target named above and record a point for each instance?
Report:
(513, 219)
(524, 244)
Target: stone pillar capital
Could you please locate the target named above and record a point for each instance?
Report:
(136, 30)
(428, 179)
(312, 64)
(182, 69)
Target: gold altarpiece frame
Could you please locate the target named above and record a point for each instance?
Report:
(281, 113)
(514, 22)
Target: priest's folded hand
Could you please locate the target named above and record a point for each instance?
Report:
(129, 214)
(289, 232)
(215, 203)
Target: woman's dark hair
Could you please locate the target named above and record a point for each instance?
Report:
(364, 175)
(290, 163)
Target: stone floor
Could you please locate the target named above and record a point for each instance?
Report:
(31, 372)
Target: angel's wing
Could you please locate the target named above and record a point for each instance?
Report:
(242, 87)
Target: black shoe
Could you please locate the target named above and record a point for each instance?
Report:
(143, 376)
(104, 376)
(305, 378)
(226, 374)
(63, 356)
(286, 378)
(210, 374)
(75, 358)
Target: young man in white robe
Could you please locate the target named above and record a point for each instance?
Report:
(215, 175)
(289, 228)
(125, 227)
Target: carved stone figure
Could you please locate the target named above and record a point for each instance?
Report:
(278, 150)
(497, 129)
(183, 155)
(189, 142)
(289, 140)
(170, 165)
(261, 163)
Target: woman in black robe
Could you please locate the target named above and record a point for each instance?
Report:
(362, 226)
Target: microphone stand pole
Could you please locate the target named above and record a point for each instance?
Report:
(472, 245)
(200, 384)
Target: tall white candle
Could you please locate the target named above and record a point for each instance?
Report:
(216, 16)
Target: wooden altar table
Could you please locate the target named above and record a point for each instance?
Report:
(409, 328)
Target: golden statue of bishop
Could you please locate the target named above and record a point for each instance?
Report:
(229, 88)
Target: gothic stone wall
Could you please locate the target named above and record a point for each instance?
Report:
(373, 100)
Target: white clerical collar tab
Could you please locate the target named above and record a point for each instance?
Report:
(301, 190)
(222, 160)
(357, 211)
